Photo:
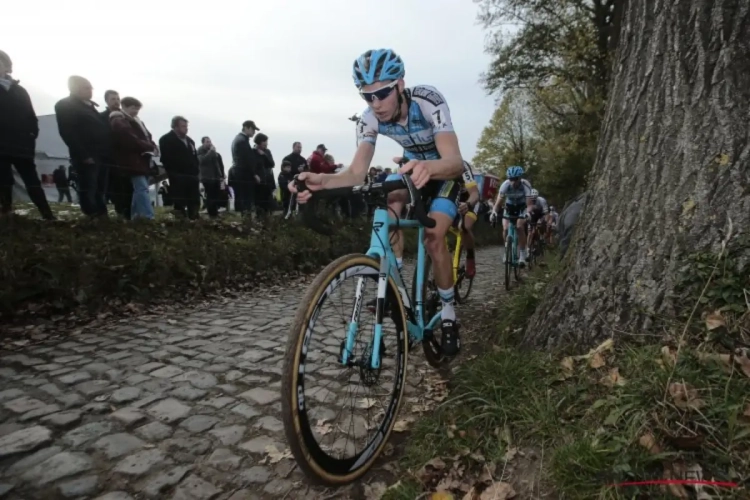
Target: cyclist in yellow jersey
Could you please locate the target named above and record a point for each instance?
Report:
(468, 207)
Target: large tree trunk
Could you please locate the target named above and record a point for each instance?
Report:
(673, 166)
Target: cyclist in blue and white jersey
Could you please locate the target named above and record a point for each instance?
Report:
(518, 203)
(418, 118)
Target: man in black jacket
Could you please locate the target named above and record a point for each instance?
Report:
(212, 175)
(119, 187)
(264, 200)
(247, 168)
(180, 160)
(19, 129)
(62, 183)
(88, 140)
(296, 160)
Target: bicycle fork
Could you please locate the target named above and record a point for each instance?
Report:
(351, 334)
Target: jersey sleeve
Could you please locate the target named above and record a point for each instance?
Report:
(367, 128)
(468, 176)
(545, 206)
(504, 187)
(526, 188)
(434, 108)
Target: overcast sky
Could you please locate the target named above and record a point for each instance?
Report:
(286, 64)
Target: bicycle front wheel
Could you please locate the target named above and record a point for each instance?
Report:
(462, 287)
(315, 355)
(508, 260)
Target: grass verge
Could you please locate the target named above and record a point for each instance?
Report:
(527, 424)
(78, 265)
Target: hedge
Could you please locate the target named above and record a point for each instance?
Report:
(56, 268)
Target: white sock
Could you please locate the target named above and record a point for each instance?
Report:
(399, 263)
(446, 297)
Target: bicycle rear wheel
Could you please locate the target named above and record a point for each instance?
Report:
(433, 351)
(325, 463)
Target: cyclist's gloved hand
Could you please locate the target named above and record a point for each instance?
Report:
(463, 208)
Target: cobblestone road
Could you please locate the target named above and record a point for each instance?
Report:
(183, 407)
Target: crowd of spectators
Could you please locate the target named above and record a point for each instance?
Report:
(114, 159)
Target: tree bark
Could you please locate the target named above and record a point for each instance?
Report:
(673, 166)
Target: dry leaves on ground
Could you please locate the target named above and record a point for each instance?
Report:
(273, 455)
(715, 320)
(613, 378)
(668, 356)
(685, 396)
(597, 361)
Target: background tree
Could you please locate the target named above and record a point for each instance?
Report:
(671, 170)
(509, 137)
(559, 53)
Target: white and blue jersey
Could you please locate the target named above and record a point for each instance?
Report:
(429, 115)
(515, 197)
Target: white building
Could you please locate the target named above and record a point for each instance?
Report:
(51, 152)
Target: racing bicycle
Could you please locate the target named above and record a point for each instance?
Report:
(362, 357)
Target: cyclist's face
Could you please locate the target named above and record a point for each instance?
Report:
(382, 97)
(515, 181)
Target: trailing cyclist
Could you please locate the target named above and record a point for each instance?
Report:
(468, 208)
(418, 118)
(537, 215)
(518, 203)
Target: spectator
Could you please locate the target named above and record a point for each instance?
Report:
(87, 137)
(132, 150)
(264, 191)
(296, 160)
(180, 160)
(246, 168)
(372, 175)
(19, 129)
(212, 175)
(62, 183)
(119, 185)
(317, 162)
(285, 177)
(383, 175)
(166, 198)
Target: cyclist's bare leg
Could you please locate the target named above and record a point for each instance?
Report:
(396, 202)
(442, 270)
(521, 228)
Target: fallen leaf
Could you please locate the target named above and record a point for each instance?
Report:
(510, 453)
(685, 396)
(668, 356)
(567, 366)
(323, 427)
(274, 455)
(649, 442)
(441, 495)
(401, 425)
(613, 378)
(597, 361)
(498, 491)
(742, 359)
(375, 491)
(715, 320)
(366, 403)
(604, 346)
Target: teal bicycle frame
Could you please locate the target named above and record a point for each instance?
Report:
(513, 236)
(380, 248)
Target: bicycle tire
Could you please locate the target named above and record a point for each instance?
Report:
(463, 282)
(433, 352)
(508, 260)
(315, 463)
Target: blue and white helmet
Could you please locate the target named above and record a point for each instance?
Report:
(377, 65)
(514, 171)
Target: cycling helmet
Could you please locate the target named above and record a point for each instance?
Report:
(534, 193)
(514, 171)
(376, 66)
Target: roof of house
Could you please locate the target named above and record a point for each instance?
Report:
(49, 142)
